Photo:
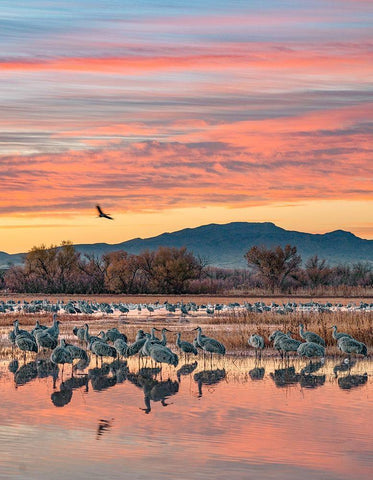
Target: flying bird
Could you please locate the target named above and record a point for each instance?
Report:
(102, 214)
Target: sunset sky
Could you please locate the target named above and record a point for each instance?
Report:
(176, 114)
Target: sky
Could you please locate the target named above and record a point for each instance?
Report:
(174, 114)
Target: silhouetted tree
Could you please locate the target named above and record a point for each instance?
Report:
(316, 272)
(274, 265)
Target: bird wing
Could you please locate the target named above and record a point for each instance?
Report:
(99, 210)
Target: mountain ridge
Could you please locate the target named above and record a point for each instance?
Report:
(224, 245)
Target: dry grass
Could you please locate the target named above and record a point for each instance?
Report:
(357, 324)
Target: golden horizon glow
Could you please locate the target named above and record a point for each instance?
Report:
(20, 235)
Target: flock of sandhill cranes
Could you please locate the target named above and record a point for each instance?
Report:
(114, 343)
(183, 309)
(145, 344)
(314, 345)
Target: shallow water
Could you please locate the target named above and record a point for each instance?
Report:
(233, 419)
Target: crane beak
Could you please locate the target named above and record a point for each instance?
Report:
(167, 330)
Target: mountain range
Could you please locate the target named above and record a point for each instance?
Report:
(225, 245)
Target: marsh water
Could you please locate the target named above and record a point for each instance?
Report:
(234, 418)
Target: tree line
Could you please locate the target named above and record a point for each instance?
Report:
(169, 270)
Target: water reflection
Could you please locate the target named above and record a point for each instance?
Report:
(312, 367)
(26, 373)
(94, 421)
(208, 377)
(352, 381)
(103, 426)
(155, 389)
(344, 366)
(186, 369)
(13, 366)
(312, 381)
(285, 376)
(102, 378)
(65, 393)
(257, 373)
(62, 397)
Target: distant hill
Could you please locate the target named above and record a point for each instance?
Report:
(225, 245)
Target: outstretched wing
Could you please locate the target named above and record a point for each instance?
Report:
(102, 214)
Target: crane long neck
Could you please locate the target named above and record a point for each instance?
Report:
(334, 334)
(199, 335)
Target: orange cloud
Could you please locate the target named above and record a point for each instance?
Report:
(238, 56)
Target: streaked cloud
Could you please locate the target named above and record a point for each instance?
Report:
(180, 106)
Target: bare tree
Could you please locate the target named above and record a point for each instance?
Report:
(274, 265)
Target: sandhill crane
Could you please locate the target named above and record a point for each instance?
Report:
(135, 347)
(121, 347)
(101, 214)
(54, 330)
(285, 344)
(45, 339)
(102, 349)
(80, 332)
(113, 334)
(12, 334)
(61, 355)
(184, 346)
(310, 336)
(26, 344)
(311, 349)
(139, 335)
(163, 340)
(38, 326)
(350, 345)
(77, 352)
(275, 334)
(159, 353)
(24, 333)
(209, 345)
(257, 342)
(337, 335)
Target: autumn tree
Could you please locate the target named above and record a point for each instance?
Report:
(274, 265)
(169, 269)
(52, 269)
(121, 270)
